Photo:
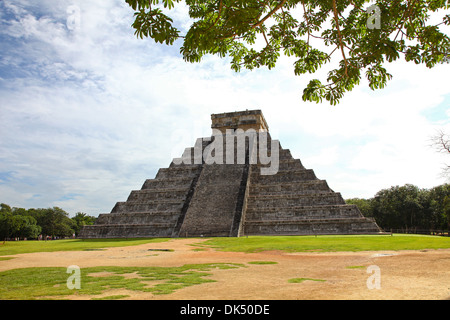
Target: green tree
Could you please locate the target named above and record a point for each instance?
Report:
(25, 227)
(399, 207)
(4, 208)
(15, 222)
(409, 207)
(82, 219)
(364, 35)
(6, 224)
(364, 205)
(447, 211)
(54, 222)
(439, 202)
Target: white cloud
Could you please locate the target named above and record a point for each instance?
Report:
(89, 113)
(326, 157)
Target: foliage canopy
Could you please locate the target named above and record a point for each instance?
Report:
(363, 34)
(54, 222)
(408, 207)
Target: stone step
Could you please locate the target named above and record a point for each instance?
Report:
(280, 195)
(138, 218)
(165, 189)
(178, 171)
(155, 205)
(307, 221)
(173, 182)
(305, 208)
(204, 233)
(296, 187)
(284, 171)
(313, 227)
(283, 164)
(288, 164)
(283, 176)
(290, 200)
(164, 193)
(126, 231)
(305, 212)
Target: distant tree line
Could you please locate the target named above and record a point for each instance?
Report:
(35, 223)
(408, 208)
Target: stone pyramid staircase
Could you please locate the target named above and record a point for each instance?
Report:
(293, 201)
(194, 197)
(153, 211)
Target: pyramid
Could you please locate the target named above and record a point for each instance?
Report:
(239, 181)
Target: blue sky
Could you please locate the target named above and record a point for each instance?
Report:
(88, 111)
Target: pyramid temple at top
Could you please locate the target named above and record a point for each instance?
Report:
(236, 182)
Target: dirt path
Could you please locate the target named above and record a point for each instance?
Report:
(421, 274)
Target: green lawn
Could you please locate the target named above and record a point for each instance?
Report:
(16, 247)
(249, 244)
(51, 283)
(329, 243)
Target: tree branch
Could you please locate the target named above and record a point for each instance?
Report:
(340, 36)
(317, 37)
(265, 38)
(260, 22)
(332, 52)
(405, 14)
(218, 15)
(441, 143)
(307, 22)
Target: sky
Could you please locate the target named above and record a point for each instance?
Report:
(88, 112)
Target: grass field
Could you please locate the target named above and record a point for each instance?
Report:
(16, 247)
(249, 244)
(51, 283)
(329, 243)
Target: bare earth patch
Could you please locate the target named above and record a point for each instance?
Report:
(423, 274)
